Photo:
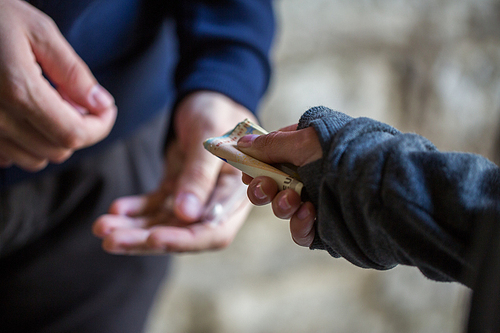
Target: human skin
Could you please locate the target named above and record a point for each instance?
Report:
(284, 146)
(144, 225)
(41, 123)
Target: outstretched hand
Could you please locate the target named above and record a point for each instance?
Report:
(285, 146)
(42, 121)
(201, 202)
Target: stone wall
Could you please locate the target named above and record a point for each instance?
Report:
(425, 66)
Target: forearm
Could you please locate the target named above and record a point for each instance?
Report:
(387, 198)
(224, 47)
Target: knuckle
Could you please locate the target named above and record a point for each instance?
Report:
(269, 139)
(61, 156)
(70, 140)
(73, 70)
(42, 28)
(14, 91)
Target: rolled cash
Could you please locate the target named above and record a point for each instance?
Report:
(225, 148)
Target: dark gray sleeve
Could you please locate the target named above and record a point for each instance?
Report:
(385, 198)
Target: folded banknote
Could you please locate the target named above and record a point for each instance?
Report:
(225, 148)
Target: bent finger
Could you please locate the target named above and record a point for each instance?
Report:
(198, 236)
(65, 68)
(20, 157)
(30, 140)
(139, 205)
(262, 190)
(286, 203)
(126, 241)
(61, 123)
(302, 225)
(196, 183)
(108, 223)
(246, 179)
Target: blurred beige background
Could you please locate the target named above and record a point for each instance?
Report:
(425, 66)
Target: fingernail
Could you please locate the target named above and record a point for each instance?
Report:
(283, 203)
(258, 192)
(303, 213)
(246, 141)
(190, 205)
(100, 98)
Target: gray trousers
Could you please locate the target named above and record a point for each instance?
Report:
(54, 276)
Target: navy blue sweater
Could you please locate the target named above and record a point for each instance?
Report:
(385, 198)
(151, 53)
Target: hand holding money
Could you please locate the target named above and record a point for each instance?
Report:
(285, 149)
(225, 147)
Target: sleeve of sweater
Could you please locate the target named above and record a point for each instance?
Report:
(385, 198)
(224, 47)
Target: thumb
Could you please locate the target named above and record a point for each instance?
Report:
(297, 147)
(68, 71)
(195, 183)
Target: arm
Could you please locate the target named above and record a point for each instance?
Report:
(222, 73)
(224, 47)
(385, 198)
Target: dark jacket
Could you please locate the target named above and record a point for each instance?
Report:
(385, 198)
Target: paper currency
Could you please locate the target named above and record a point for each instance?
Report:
(225, 148)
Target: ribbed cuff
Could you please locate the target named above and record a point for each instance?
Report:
(326, 122)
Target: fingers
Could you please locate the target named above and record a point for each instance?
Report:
(262, 190)
(167, 239)
(47, 128)
(37, 124)
(246, 179)
(56, 119)
(160, 232)
(64, 67)
(127, 241)
(142, 205)
(302, 224)
(12, 153)
(202, 187)
(28, 141)
(195, 184)
(130, 212)
(296, 147)
(199, 116)
(198, 236)
(286, 205)
(46, 109)
(109, 223)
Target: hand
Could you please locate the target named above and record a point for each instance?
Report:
(39, 123)
(285, 146)
(174, 218)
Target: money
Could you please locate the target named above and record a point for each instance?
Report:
(225, 147)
